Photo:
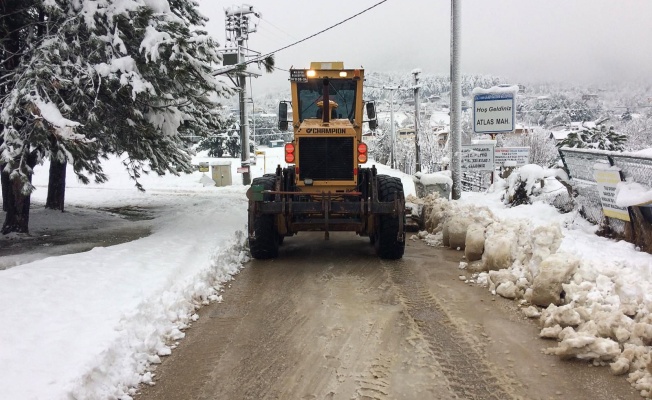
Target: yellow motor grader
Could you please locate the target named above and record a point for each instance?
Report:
(325, 186)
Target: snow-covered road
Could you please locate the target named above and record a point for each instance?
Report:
(87, 325)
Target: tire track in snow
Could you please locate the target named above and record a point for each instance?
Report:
(467, 372)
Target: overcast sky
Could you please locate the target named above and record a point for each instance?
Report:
(581, 41)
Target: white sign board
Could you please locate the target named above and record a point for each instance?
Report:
(477, 157)
(512, 156)
(493, 113)
(607, 180)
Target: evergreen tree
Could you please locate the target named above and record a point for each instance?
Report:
(232, 143)
(218, 142)
(626, 116)
(597, 137)
(214, 144)
(128, 80)
(20, 22)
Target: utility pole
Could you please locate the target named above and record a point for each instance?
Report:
(238, 28)
(417, 115)
(253, 118)
(456, 103)
(244, 132)
(392, 89)
(393, 131)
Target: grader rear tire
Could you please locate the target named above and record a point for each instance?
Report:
(387, 243)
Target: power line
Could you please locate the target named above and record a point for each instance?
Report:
(256, 59)
(324, 30)
(277, 28)
(273, 36)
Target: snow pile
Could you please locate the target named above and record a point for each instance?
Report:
(90, 325)
(630, 193)
(442, 177)
(154, 328)
(591, 294)
(496, 90)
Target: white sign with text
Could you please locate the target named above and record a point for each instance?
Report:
(512, 156)
(477, 157)
(607, 180)
(493, 113)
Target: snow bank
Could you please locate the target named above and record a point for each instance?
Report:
(632, 194)
(591, 294)
(496, 89)
(441, 177)
(154, 328)
(90, 325)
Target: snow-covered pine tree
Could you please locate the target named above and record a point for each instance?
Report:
(595, 137)
(232, 143)
(216, 142)
(123, 77)
(19, 23)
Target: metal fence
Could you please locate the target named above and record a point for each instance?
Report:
(580, 163)
(475, 181)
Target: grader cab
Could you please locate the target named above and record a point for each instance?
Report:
(325, 185)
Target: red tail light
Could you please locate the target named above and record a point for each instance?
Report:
(362, 153)
(289, 153)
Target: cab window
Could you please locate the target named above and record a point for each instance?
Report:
(340, 91)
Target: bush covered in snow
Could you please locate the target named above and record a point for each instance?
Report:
(523, 183)
(531, 182)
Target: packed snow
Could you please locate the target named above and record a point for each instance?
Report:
(90, 325)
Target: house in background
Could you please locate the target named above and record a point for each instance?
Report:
(561, 132)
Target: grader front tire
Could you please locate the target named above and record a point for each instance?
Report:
(265, 243)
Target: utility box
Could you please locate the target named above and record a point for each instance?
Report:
(221, 173)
